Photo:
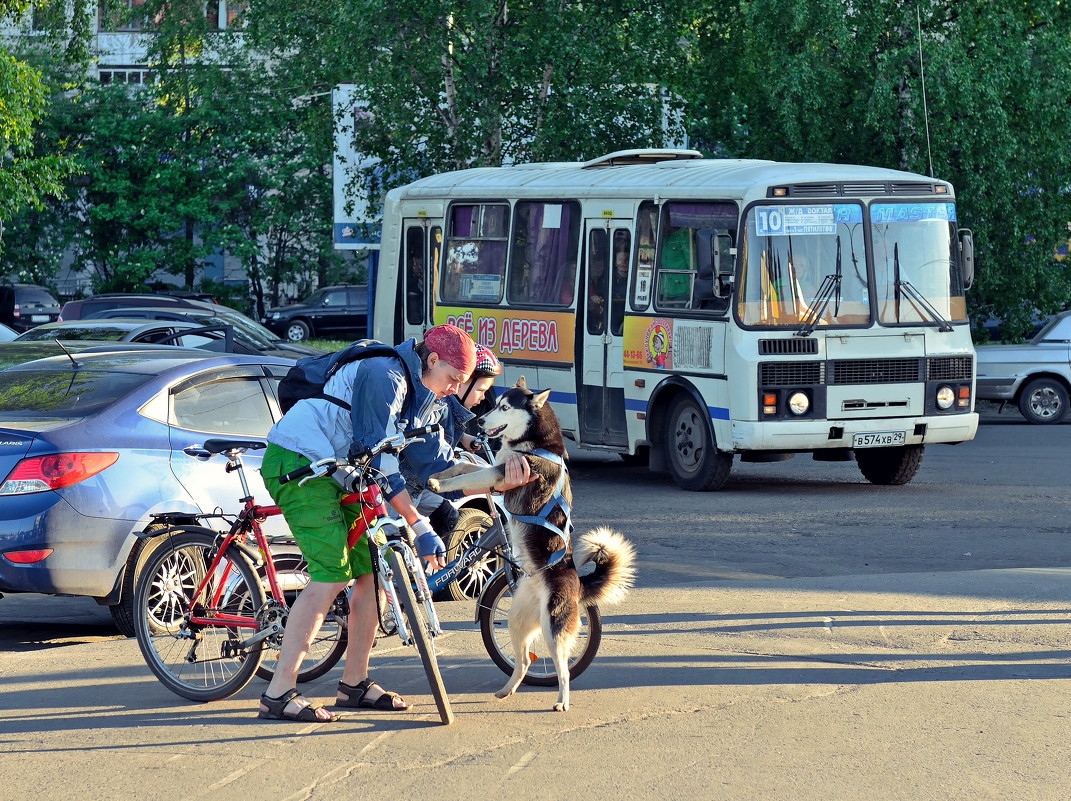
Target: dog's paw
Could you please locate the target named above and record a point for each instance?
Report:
(505, 692)
(434, 485)
(560, 707)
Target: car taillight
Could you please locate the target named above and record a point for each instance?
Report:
(16, 313)
(28, 557)
(41, 473)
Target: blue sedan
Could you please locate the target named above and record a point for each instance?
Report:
(93, 444)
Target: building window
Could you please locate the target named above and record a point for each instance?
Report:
(120, 16)
(118, 74)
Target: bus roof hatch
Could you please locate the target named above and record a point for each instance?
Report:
(623, 158)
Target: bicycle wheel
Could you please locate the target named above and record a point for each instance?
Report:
(494, 627)
(468, 585)
(201, 663)
(329, 644)
(418, 629)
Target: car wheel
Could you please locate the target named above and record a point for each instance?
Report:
(297, 331)
(1043, 401)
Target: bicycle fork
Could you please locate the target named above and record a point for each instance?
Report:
(423, 593)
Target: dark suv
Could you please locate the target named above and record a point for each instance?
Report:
(332, 309)
(22, 306)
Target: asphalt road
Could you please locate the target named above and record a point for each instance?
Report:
(800, 635)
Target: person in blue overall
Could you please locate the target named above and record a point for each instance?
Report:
(318, 428)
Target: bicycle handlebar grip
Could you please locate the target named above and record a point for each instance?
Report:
(423, 431)
(293, 475)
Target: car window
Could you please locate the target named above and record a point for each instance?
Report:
(233, 406)
(41, 296)
(71, 332)
(358, 297)
(336, 298)
(61, 394)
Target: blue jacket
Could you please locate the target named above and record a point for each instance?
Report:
(319, 429)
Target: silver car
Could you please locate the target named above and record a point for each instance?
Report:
(1036, 376)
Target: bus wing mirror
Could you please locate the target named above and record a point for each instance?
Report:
(723, 265)
(966, 257)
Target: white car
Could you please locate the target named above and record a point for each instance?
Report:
(1036, 376)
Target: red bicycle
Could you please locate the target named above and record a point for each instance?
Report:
(210, 606)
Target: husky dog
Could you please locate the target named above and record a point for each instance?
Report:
(552, 594)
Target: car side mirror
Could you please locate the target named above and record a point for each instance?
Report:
(966, 257)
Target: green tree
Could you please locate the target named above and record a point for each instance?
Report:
(832, 80)
(453, 85)
(27, 177)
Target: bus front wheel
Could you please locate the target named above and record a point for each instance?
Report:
(890, 466)
(693, 459)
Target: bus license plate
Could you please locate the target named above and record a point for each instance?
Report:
(879, 439)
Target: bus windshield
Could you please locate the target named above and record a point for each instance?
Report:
(804, 266)
(916, 263)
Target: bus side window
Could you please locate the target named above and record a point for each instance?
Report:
(414, 276)
(475, 265)
(619, 280)
(543, 262)
(694, 263)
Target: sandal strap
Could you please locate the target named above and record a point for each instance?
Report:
(363, 687)
(283, 699)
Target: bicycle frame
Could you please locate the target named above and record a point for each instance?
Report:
(247, 523)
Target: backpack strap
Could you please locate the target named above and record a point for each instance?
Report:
(410, 392)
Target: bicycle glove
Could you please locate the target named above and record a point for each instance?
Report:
(444, 519)
(428, 543)
(347, 477)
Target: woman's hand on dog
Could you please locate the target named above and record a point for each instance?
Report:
(518, 473)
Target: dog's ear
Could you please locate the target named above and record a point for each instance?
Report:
(539, 399)
(521, 383)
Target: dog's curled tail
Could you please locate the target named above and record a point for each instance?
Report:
(614, 559)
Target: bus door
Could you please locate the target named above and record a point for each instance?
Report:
(417, 276)
(601, 389)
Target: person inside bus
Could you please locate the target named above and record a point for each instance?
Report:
(315, 428)
(597, 291)
(619, 289)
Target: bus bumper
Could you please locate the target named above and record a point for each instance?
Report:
(813, 435)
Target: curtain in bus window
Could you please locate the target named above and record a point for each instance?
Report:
(543, 268)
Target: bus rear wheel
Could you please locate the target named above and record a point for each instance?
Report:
(693, 458)
(890, 466)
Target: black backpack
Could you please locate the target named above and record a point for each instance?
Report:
(306, 379)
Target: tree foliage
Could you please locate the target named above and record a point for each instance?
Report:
(831, 80)
(27, 176)
(454, 85)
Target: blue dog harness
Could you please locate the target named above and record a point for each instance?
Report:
(557, 501)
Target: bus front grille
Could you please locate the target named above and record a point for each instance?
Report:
(875, 371)
(949, 368)
(791, 374)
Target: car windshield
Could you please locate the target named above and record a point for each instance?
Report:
(245, 330)
(95, 331)
(29, 395)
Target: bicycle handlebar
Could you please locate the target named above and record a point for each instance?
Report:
(393, 444)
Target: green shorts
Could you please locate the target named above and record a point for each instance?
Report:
(318, 520)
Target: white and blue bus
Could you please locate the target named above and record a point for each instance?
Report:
(685, 310)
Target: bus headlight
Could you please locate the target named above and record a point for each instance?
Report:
(945, 397)
(799, 403)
